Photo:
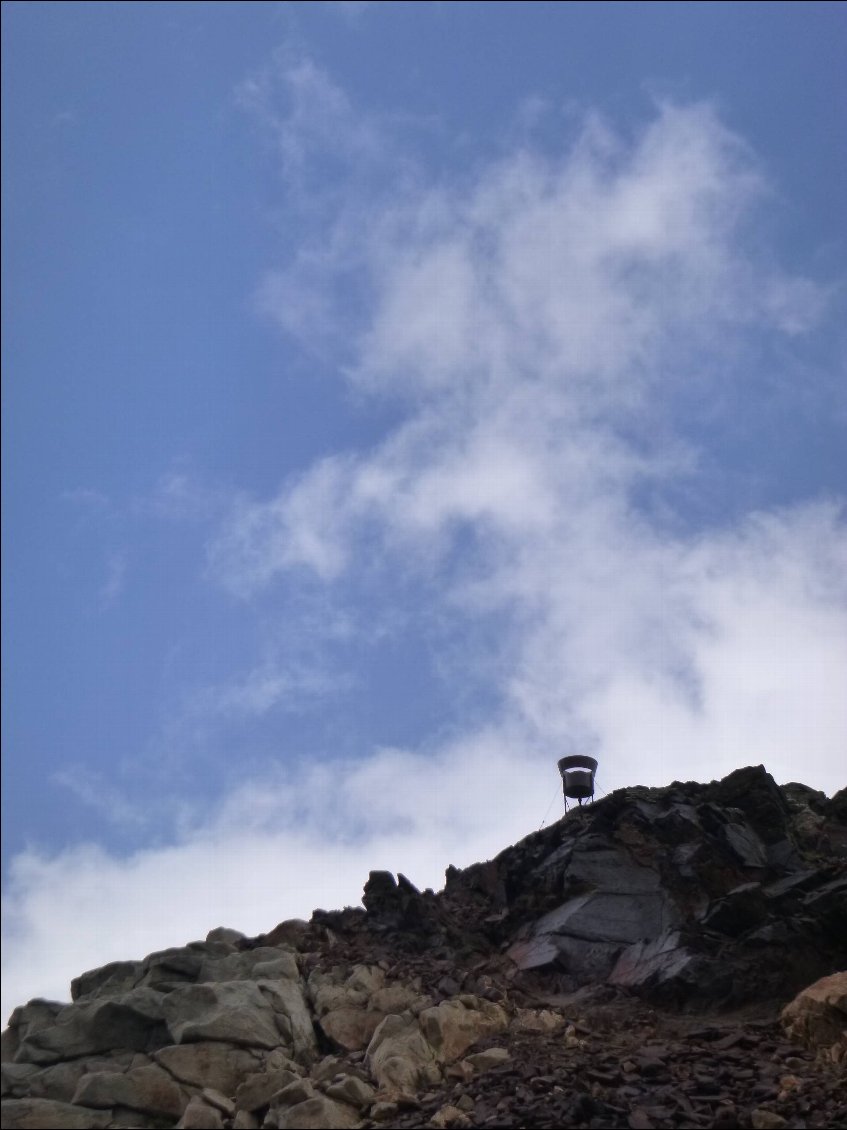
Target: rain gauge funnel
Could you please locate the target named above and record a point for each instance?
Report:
(577, 777)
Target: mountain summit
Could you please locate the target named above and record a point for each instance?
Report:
(633, 965)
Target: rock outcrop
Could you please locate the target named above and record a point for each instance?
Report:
(624, 967)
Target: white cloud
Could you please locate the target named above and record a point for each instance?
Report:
(543, 322)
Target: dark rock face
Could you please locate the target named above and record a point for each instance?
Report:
(623, 967)
(725, 892)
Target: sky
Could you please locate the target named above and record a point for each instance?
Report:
(398, 397)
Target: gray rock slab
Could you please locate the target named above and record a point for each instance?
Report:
(661, 958)
(235, 1012)
(47, 1114)
(610, 916)
(14, 1079)
(293, 1017)
(607, 869)
(108, 980)
(150, 1090)
(59, 1081)
(584, 959)
(262, 963)
(745, 845)
(210, 1064)
(740, 909)
(171, 966)
(534, 953)
(132, 1021)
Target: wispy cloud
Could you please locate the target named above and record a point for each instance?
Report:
(550, 324)
(116, 569)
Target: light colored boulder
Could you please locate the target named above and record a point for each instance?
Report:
(329, 1068)
(537, 1020)
(384, 1111)
(399, 1058)
(293, 932)
(328, 992)
(398, 998)
(319, 1113)
(353, 1090)
(351, 1028)
(818, 1016)
(258, 1089)
(491, 1057)
(245, 1120)
(450, 1116)
(147, 1089)
(293, 1017)
(200, 1115)
(454, 1025)
(214, 1098)
(210, 1064)
(265, 962)
(225, 934)
(235, 1012)
(367, 979)
(47, 1114)
(294, 1093)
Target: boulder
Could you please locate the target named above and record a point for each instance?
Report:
(107, 981)
(485, 1060)
(318, 1113)
(48, 1114)
(353, 1090)
(537, 1020)
(58, 1081)
(350, 1029)
(453, 1026)
(293, 1017)
(234, 1012)
(25, 1021)
(262, 963)
(257, 1089)
(149, 1090)
(399, 1057)
(200, 1115)
(210, 1064)
(133, 1020)
(818, 1016)
(225, 934)
(335, 990)
(177, 965)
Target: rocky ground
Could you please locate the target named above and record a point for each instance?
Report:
(624, 1064)
(629, 966)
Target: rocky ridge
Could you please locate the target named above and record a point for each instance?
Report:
(631, 965)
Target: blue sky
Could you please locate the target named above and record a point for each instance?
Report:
(397, 397)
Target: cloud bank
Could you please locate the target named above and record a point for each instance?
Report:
(560, 339)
